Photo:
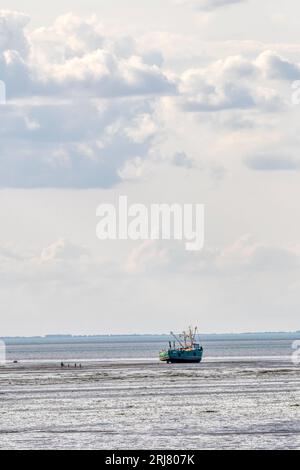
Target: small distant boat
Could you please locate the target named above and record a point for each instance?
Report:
(185, 349)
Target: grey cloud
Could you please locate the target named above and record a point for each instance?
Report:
(275, 259)
(64, 249)
(275, 67)
(68, 146)
(272, 162)
(65, 120)
(12, 32)
(209, 5)
(16, 74)
(229, 96)
(181, 159)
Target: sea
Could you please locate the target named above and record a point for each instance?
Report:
(114, 394)
(146, 347)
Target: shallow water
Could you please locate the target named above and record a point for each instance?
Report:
(230, 401)
(151, 406)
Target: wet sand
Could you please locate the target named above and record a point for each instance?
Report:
(220, 404)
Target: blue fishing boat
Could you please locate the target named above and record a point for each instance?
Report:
(185, 349)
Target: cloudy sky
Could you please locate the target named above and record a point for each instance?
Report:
(175, 101)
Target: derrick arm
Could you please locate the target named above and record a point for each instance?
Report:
(177, 339)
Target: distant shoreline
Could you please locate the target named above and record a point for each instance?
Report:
(153, 336)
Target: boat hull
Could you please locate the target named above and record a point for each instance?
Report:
(184, 361)
(179, 356)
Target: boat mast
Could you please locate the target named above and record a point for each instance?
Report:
(177, 339)
(192, 335)
(186, 339)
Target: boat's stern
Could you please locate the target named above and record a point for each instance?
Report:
(164, 356)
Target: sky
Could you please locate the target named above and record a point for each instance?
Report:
(181, 101)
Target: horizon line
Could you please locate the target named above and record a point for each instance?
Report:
(70, 335)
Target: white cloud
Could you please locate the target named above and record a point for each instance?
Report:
(247, 255)
(75, 57)
(232, 83)
(84, 108)
(143, 127)
(77, 111)
(66, 288)
(91, 106)
(102, 74)
(65, 261)
(243, 257)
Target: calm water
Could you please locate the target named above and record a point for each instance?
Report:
(145, 347)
